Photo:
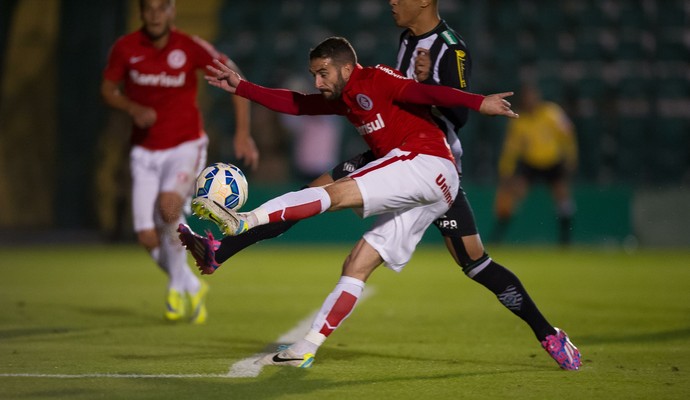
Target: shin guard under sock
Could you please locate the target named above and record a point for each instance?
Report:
(338, 305)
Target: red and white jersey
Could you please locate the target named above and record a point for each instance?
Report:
(388, 110)
(165, 80)
(385, 124)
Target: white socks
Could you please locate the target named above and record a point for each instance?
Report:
(173, 258)
(297, 205)
(337, 306)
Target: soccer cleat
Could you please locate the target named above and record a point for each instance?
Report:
(561, 349)
(288, 358)
(203, 248)
(227, 220)
(197, 304)
(175, 306)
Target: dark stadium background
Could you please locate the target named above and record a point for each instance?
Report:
(620, 68)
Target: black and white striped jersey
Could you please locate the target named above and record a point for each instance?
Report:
(451, 66)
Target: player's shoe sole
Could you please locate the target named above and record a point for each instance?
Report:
(202, 248)
(562, 350)
(175, 306)
(287, 358)
(197, 304)
(227, 220)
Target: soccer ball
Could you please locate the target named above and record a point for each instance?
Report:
(223, 183)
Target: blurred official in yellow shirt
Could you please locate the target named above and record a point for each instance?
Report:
(540, 146)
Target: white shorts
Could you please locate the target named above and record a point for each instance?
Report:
(157, 171)
(408, 191)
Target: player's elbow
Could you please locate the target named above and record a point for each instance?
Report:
(108, 91)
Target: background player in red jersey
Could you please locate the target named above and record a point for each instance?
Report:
(412, 182)
(152, 76)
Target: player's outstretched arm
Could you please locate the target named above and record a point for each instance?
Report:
(221, 76)
(445, 96)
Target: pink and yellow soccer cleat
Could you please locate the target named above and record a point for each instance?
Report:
(202, 248)
(561, 349)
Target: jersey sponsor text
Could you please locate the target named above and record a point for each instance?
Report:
(372, 126)
(162, 79)
(460, 56)
(390, 71)
(445, 189)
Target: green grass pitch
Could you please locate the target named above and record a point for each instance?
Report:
(85, 322)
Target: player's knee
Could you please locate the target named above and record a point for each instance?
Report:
(471, 264)
(468, 250)
(503, 206)
(565, 208)
(343, 194)
(148, 239)
(170, 216)
(474, 248)
(170, 207)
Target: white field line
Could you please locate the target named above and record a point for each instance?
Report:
(119, 376)
(245, 368)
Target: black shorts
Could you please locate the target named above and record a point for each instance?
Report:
(548, 175)
(458, 221)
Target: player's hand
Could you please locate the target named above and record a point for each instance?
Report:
(496, 104)
(221, 76)
(422, 65)
(143, 117)
(245, 149)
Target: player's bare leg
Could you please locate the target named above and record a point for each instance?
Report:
(210, 253)
(508, 195)
(291, 206)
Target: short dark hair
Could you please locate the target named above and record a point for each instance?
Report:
(143, 2)
(336, 48)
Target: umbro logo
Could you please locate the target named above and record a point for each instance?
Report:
(349, 167)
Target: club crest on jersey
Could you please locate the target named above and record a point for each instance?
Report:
(372, 126)
(177, 59)
(364, 101)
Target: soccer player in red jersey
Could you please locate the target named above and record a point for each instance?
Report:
(152, 76)
(430, 52)
(412, 182)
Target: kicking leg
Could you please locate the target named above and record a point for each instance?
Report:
(210, 253)
(231, 245)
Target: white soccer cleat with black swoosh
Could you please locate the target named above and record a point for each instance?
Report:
(287, 357)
